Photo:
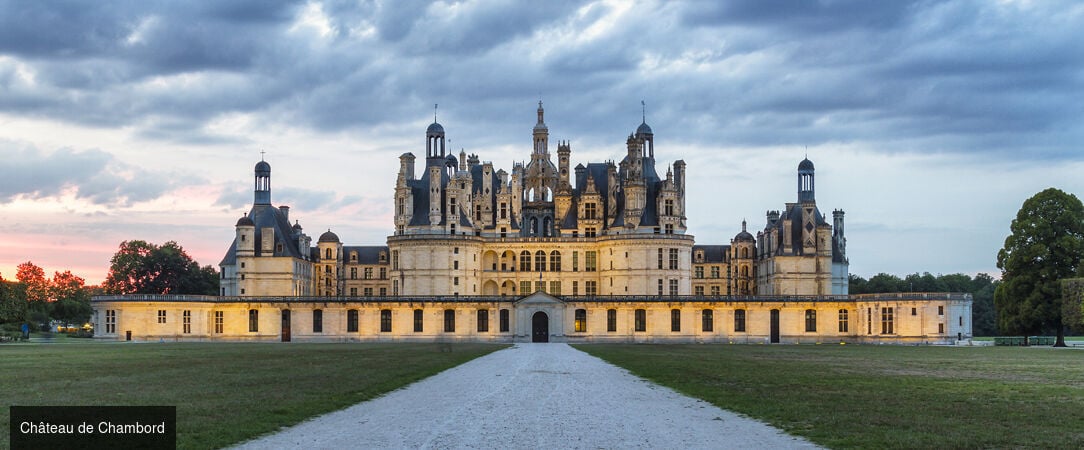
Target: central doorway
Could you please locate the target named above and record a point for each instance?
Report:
(540, 327)
(285, 325)
(775, 327)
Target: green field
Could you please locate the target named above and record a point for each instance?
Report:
(860, 396)
(224, 392)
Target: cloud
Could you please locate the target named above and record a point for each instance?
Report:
(91, 175)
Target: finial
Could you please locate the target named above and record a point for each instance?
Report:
(643, 111)
(434, 113)
(261, 154)
(743, 224)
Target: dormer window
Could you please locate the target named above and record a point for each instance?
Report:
(699, 256)
(354, 256)
(383, 257)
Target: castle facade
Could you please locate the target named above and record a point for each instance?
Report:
(607, 246)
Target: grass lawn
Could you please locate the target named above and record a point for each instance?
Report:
(859, 396)
(224, 392)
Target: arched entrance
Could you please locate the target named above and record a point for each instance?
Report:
(285, 325)
(540, 327)
(775, 327)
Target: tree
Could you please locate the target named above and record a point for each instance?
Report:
(1046, 245)
(140, 267)
(12, 304)
(33, 279)
(1072, 304)
(72, 304)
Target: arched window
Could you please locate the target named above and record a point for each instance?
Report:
(555, 261)
(327, 254)
(540, 261)
(534, 226)
(581, 321)
(811, 320)
(745, 252)
(525, 261)
(385, 321)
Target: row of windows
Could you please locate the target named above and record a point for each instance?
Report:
(554, 257)
(367, 273)
(580, 320)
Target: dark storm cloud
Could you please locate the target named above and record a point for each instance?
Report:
(91, 175)
(962, 77)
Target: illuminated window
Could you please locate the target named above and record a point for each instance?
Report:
(810, 321)
(581, 321)
(449, 321)
(504, 320)
(218, 322)
(317, 321)
(887, 321)
(611, 320)
(483, 320)
(418, 320)
(253, 321)
(640, 321)
(385, 321)
(844, 322)
(161, 316)
(352, 321)
(739, 320)
(707, 318)
(186, 321)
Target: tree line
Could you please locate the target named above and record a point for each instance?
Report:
(138, 267)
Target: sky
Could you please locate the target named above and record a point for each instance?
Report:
(929, 122)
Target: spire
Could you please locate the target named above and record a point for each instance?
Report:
(541, 112)
(434, 113)
(643, 111)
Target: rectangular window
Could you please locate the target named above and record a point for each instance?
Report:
(555, 288)
(455, 265)
(698, 272)
(589, 210)
(941, 328)
(525, 287)
(914, 311)
(540, 286)
(590, 261)
(590, 232)
(887, 321)
(715, 271)
(161, 316)
(253, 321)
(844, 322)
(640, 321)
(449, 321)
(383, 292)
(368, 292)
(660, 286)
(575, 261)
(483, 320)
(581, 321)
(611, 320)
(673, 259)
(715, 290)
(673, 288)
(383, 273)
(575, 287)
(395, 260)
(352, 321)
(660, 259)
(455, 281)
(394, 287)
(675, 320)
(739, 320)
(698, 291)
(504, 321)
(353, 273)
(590, 287)
(940, 310)
(385, 321)
(418, 320)
(708, 319)
(810, 321)
(353, 292)
(317, 321)
(218, 322)
(368, 273)
(186, 322)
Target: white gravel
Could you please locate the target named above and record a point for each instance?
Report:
(532, 396)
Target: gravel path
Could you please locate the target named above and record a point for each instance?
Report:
(533, 396)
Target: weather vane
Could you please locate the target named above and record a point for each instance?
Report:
(434, 113)
(261, 154)
(643, 111)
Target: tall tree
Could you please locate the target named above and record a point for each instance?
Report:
(33, 279)
(1046, 245)
(72, 298)
(140, 267)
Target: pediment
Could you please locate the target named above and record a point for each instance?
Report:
(539, 298)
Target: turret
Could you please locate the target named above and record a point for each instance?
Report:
(263, 184)
(805, 181)
(246, 236)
